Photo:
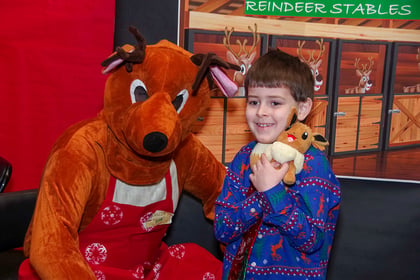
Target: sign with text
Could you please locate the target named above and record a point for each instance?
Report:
(372, 9)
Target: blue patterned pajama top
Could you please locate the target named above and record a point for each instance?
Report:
(298, 225)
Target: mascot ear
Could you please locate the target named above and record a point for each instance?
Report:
(210, 66)
(225, 84)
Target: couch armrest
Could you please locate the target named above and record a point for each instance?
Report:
(16, 209)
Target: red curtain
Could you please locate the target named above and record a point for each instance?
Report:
(50, 76)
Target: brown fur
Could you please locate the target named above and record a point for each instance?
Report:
(76, 175)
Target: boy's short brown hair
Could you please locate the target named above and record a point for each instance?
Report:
(279, 69)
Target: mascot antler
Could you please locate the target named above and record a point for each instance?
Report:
(127, 54)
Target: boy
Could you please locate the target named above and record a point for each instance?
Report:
(274, 231)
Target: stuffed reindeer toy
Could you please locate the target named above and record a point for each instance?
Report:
(290, 147)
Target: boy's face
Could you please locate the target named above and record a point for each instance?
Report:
(267, 111)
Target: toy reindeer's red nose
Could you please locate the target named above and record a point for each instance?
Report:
(291, 138)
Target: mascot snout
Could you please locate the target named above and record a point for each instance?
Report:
(153, 127)
(155, 142)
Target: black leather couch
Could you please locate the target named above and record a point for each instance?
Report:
(376, 237)
(16, 210)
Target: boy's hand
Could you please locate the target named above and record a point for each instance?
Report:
(265, 175)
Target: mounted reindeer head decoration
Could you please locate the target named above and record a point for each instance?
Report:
(314, 63)
(365, 83)
(242, 58)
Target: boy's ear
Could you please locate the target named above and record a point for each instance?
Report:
(304, 108)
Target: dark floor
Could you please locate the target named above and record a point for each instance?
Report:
(403, 164)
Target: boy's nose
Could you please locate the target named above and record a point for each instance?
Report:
(262, 110)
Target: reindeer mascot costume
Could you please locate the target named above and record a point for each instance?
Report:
(112, 183)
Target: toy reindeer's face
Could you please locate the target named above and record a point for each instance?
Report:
(298, 136)
(151, 109)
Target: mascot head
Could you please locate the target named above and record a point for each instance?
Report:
(154, 94)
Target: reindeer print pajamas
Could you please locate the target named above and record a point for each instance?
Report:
(298, 225)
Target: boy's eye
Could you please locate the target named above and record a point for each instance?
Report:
(253, 102)
(275, 103)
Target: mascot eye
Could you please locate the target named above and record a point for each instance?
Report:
(138, 91)
(180, 100)
(305, 135)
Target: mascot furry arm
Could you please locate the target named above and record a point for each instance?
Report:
(290, 147)
(152, 97)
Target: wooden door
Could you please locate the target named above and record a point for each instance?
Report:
(346, 124)
(359, 97)
(369, 123)
(358, 124)
(404, 110)
(405, 121)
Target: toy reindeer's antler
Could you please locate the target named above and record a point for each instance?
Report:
(209, 65)
(127, 54)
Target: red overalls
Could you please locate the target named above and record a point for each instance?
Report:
(124, 239)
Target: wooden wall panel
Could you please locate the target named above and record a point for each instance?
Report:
(407, 72)
(358, 130)
(209, 127)
(213, 21)
(204, 47)
(237, 130)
